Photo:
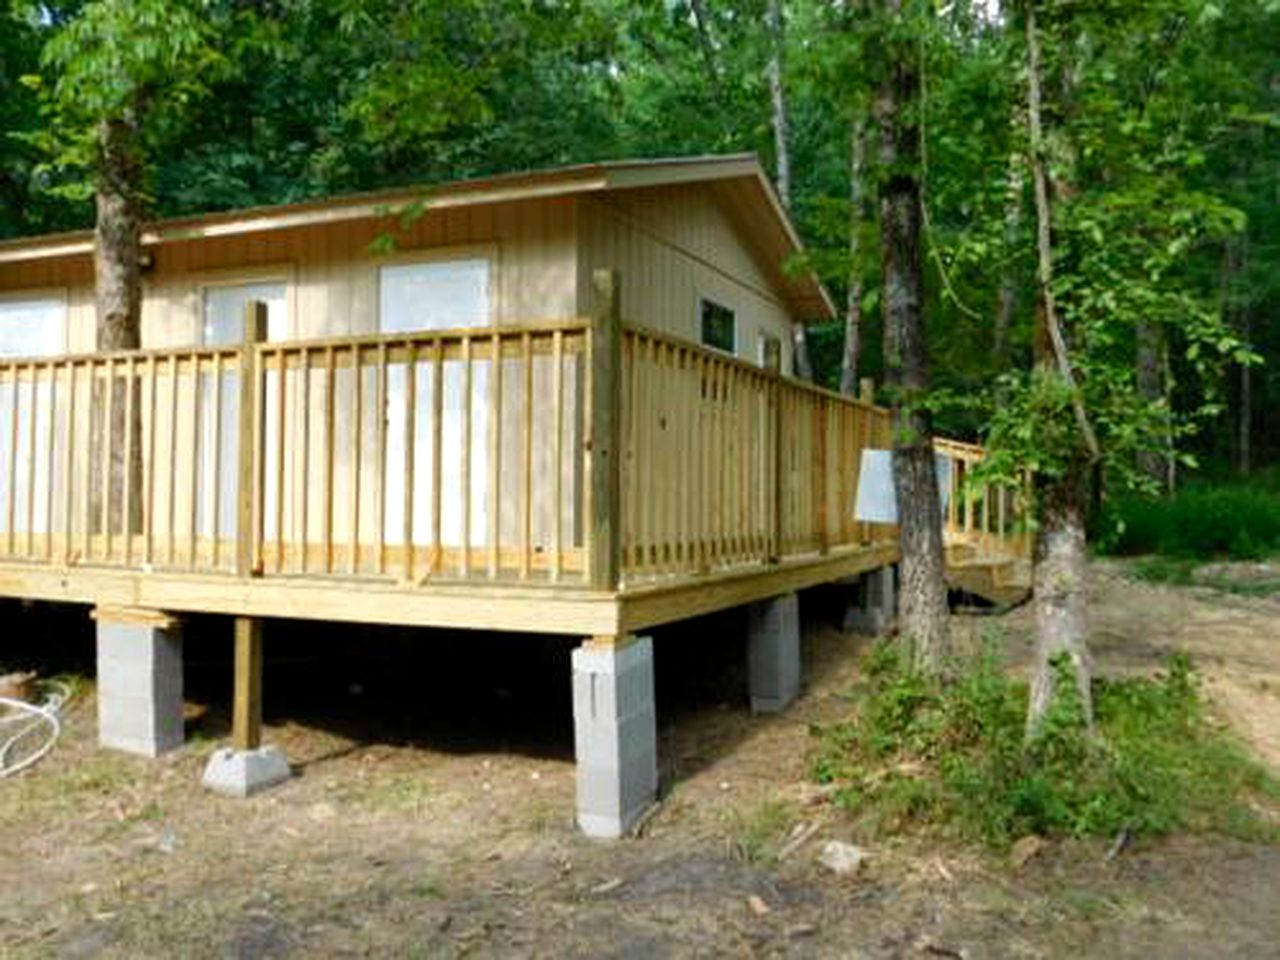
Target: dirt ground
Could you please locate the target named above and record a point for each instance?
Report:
(430, 816)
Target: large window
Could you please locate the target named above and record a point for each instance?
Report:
(434, 295)
(33, 327)
(719, 326)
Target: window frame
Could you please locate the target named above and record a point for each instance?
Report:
(60, 296)
(425, 256)
(705, 301)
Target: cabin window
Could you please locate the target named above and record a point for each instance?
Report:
(223, 313)
(434, 295)
(32, 327)
(770, 346)
(719, 326)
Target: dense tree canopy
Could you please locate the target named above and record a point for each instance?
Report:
(1162, 119)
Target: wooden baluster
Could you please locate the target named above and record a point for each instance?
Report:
(495, 454)
(380, 544)
(126, 507)
(13, 460)
(193, 501)
(465, 568)
(108, 424)
(437, 452)
(410, 453)
(330, 388)
(357, 449)
(557, 454)
(70, 465)
(215, 475)
(149, 475)
(526, 457)
(304, 501)
(282, 430)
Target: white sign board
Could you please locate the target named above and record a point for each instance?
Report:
(877, 502)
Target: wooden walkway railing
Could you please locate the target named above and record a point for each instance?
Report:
(577, 453)
(990, 518)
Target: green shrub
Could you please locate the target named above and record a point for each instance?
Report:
(1235, 522)
(918, 754)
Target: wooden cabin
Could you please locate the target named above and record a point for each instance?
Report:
(552, 402)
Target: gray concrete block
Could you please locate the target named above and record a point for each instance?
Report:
(615, 734)
(139, 674)
(239, 773)
(875, 608)
(773, 653)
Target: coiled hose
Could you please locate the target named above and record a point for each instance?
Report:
(28, 731)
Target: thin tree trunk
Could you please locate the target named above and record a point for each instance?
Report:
(1008, 303)
(118, 300)
(1150, 381)
(923, 597)
(1059, 559)
(1245, 438)
(778, 101)
(853, 304)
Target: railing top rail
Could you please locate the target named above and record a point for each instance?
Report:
(102, 357)
(452, 334)
(749, 367)
(205, 351)
(959, 448)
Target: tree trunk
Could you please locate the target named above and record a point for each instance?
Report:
(853, 303)
(923, 597)
(1245, 438)
(1150, 381)
(1059, 584)
(778, 101)
(1059, 559)
(118, 299)
(1008, 303)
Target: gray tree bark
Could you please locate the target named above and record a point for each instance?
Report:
(117, 261)
(851, 357)
(1059, 560)
(923, 609)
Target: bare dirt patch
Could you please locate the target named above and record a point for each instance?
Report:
(424, 828)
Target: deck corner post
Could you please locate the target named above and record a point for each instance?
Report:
(604, 433)
(250, 431)
(773, 653)
(139, 675)
(867, 390)
(615, 734)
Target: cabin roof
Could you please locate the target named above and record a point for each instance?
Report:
(762, 221)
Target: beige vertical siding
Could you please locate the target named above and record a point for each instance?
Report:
(673, 246)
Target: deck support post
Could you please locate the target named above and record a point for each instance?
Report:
(246, 766)
(773, 653)
(615, 733)
(139, 681)
(876, 605)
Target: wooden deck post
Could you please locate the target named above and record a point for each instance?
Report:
(250, 428)
(867, 390)
(246, 720)
(603, 441)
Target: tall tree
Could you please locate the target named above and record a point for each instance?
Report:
(923, 598)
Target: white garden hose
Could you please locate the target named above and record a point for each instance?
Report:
(34, 726)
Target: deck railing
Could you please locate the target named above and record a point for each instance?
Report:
(989, 517)
(726, 464)
(576, 453)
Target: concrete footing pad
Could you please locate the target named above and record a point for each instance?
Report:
(139, 674)
(615, 735)
(773, 653)
(239, 773)
(875, 609)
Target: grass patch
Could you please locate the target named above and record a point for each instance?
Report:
(1236, 522)
(1187, 572)
(953, 757)
(756, 835)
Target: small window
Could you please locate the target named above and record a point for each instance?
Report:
(770, 351)
(32, 328)
(222, 323)
(434, 295)
(719, 326)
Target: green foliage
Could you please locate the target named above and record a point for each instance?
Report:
(1238, 521)
(954, 757)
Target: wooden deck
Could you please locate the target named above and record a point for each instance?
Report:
(578, 477)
